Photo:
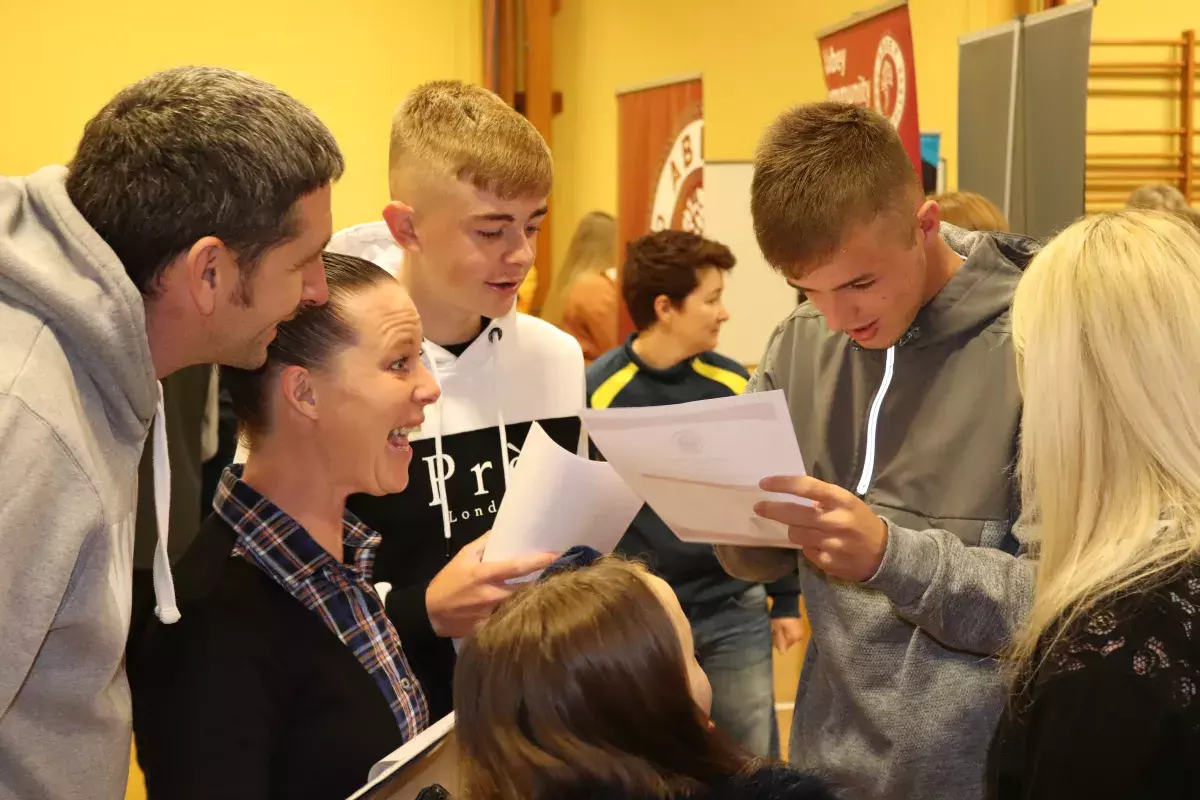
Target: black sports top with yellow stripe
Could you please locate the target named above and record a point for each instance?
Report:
(619, 379)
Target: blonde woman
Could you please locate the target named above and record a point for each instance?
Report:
(1106, 330)
(585, 302)
(1164, 197)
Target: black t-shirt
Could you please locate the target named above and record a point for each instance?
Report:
(457, 350)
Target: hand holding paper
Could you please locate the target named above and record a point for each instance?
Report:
(558, 500)
(699, 465)
(464, 593)
(840, 533)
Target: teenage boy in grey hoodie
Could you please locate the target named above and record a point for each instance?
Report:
(189, 224)
(901, 381)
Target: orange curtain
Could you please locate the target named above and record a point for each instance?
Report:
(659, 162)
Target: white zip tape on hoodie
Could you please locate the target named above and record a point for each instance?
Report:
(864, 483)
(165, 606)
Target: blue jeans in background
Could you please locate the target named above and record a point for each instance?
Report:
(733, 646)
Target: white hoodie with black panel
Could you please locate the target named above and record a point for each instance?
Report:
(517, 371)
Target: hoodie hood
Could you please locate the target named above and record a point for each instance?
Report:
(55, 264)
(372, 241)
(981, 291)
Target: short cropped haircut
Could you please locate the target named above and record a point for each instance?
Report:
(455, 129)
(667, 263)
(194, 152)
(820, 169)
(309, 340)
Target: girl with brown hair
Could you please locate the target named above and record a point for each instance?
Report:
(585, 686)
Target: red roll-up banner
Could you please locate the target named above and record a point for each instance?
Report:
(868, 61)
(660, 162)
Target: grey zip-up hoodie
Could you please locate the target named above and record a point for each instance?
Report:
(900, 694)
(77, 396)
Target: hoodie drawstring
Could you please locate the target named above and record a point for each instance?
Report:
(164, 585)
(495, 335)
(439, 470)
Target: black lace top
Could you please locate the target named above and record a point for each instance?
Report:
(1113, 713)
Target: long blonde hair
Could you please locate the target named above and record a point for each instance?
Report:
(593, 248)
(1107, 334)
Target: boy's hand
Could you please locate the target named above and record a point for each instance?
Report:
(840, 534)
(464, 593)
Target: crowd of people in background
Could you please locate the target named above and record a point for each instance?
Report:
(1000, 524)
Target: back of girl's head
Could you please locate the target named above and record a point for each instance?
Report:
(1163, 197)
(581, 679)
(1158, 197)
(972, 212)
(1105, 327)
(308, 340)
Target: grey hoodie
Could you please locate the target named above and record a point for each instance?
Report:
(900, 694)
(77, 396)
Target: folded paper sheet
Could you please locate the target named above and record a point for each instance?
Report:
(558, 500)
(430, 757)
(698, 465)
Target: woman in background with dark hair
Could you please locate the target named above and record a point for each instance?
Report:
(284, 677)
(585, 686)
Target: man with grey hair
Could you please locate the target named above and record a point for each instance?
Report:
(190, 223)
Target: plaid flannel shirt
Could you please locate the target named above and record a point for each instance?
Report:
(341, 594)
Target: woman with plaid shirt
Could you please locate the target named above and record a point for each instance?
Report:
(284, 677)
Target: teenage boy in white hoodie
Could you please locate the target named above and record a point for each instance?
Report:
(188, 225)
(469, 178)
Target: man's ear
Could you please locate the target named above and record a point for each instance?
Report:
(211, 271)
(299, 392)
(929, 221)
(399, 219)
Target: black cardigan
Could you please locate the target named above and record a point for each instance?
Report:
(1115, 713)
(250, 695)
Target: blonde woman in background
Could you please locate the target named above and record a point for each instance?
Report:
(972, 212)
(1105, 702)
(527, 292)
(1163, 197)
(584, 300)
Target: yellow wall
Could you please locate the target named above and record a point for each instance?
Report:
(758, 57)
(1129, 19)
(350, 61)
